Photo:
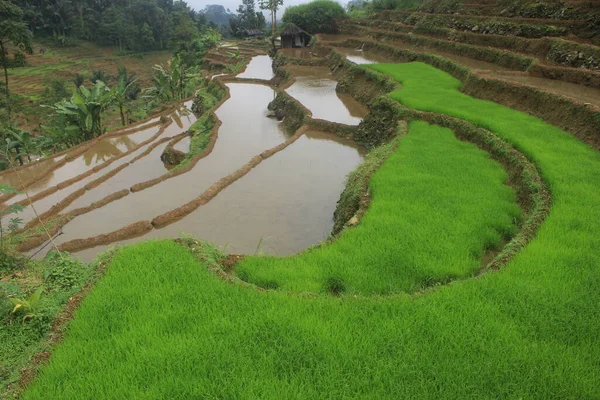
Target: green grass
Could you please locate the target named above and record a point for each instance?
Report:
(161, 325)
(19, 342)
(47, 68)
(438, 204)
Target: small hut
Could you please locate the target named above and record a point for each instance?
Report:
(253, 33)
(293, 36)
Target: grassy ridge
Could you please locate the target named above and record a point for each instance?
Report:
(438, 204)
(160, 325)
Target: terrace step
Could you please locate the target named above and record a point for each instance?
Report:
(503, 58)
(553, 50)
(523, 27)
(537, 78)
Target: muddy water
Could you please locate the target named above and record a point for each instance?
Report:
(183, 145)
(282, 206)
(465, 61)
(150, 165)
(137, 134)
(572, 90)
(358, 56)
(259, 68)
(101, 152)
(244, 133)
(14, 179)
(315, 89)
(304, 53)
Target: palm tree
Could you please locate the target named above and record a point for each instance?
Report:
(121, 94)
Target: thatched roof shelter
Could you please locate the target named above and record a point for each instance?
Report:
(293, 36)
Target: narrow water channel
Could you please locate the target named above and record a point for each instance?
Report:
(245, 132)
(282, 206)
(315, 89)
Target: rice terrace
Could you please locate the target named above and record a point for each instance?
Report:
(370, 199)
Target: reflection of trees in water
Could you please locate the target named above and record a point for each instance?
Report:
(175, 117)
(181, 113)
(106, 149)
(31, 172)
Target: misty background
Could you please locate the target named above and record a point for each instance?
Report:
(232, 5)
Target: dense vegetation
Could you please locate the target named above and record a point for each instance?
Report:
(73, 115)
(131, 25)
(319, 16)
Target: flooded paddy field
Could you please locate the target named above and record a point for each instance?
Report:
(280, 206)
(315, 89)
(258, 68)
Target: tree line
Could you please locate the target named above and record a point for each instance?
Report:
(137, 25)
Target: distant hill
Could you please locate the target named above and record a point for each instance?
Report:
(217, 14)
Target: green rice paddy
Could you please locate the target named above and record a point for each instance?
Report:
(437, 205)
(161, 324)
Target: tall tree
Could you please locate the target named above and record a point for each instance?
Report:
(247, 14)
(13, 31)
(272, 6)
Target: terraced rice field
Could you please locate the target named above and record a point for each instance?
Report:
(65, 64)
(469, 269)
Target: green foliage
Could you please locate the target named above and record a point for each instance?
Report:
(13, 32)
(62, 272)
(381, 5)
(173, 82)
(55, 91)
(192, 52)
(319, 16)
(27, 305)
(133, 25)
(99, 75)
(9, 259)
(126, 89)
(17, 144)
(82, 113)
(272, 6)
(247, 15)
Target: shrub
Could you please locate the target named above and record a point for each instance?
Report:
(62, 272)
(335, 285)
(319, 16)
(380, 5)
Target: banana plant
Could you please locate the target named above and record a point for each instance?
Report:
(27, 306)
(85, 109)
(170, 82)
(22, 142)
